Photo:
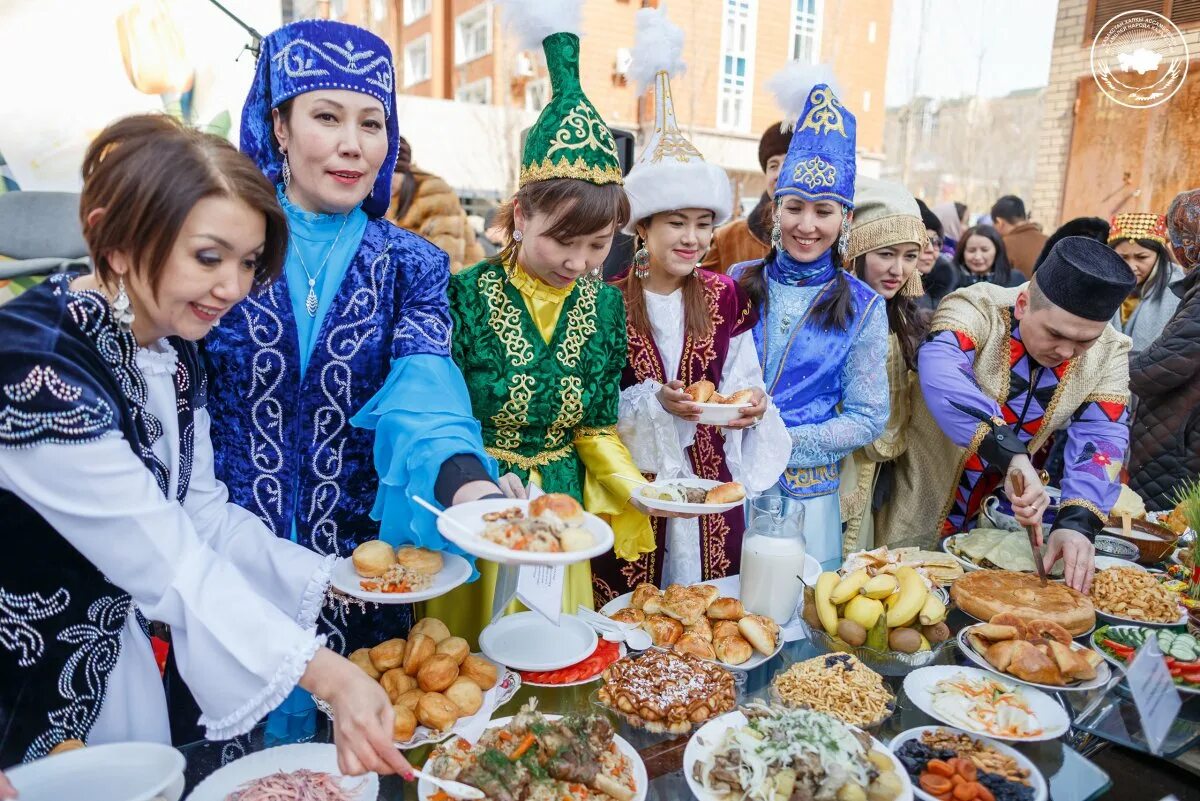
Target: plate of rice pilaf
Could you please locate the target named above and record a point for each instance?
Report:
(536, 757)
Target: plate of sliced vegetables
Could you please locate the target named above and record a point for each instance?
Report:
(1181, 650)
(584, 672)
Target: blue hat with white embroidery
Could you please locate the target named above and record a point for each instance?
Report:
(319, 54)
(820, 160)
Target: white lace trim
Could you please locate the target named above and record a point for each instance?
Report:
(656, 439)
(286, 677)
(157, 359)
(314, 593)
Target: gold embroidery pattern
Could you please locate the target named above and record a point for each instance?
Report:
(589, 431)
(1104, 397)
(570, 410)
(799, 478)
(581, 128)
(641, 570)
(714, 531)
(1006, 368)
(1091, 507)
(641, 357)
(826, 114)
(980, 432)
(566, 169)
(672, 145)
(505, 320)
(581, 324)
(530, 462)
(513, 414)
(815, 172)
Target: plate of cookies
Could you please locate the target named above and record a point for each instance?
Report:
(697, 619)
(436, 685)
(381, 574)
(698, 496)
(717, 409)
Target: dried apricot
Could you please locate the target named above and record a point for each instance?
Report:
(939, 768)
(934, 784)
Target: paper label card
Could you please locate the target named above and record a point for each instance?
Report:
(1154, 693)
(540, 587)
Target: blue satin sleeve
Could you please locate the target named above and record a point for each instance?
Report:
(421, 417)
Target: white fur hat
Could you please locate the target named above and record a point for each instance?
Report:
(670, 173)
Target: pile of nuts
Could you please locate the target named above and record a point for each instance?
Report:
(1135, 594)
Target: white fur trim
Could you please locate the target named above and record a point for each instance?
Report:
(533, 20)
(657, 47)
(668, 185)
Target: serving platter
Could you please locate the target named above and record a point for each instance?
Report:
(1036, 780)
(683, 507)
(114, 772)
(1103, 672)
(919, 684)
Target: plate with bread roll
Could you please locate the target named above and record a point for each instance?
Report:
(717, 409)
(436, 685)
(551, 529)
(1040, 653)
(697, 619)
(699, 496)
(379, 573)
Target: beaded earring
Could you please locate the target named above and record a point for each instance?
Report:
(641, 263)
(122, 307)
(777, 235)
(287, 171)
(844, 238)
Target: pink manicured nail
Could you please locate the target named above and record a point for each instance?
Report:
(408, 775)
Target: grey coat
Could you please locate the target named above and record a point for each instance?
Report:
(1151, 315)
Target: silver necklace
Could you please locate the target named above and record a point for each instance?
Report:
(311, 302)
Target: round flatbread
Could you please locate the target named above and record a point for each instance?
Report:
(986, 593)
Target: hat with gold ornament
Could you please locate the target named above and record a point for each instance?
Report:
(569, 139)
(670, 173)
(820, 162)
(885, 215)
(1138, 225)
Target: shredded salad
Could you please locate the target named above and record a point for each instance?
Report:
(985, 705)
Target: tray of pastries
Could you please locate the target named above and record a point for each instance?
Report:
(697, 619)
(1039, 653)
(666, 692)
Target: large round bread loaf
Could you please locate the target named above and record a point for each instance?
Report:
(983, 594)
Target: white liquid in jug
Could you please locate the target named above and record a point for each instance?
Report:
(771, 571)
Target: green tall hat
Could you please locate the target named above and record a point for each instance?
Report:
(569, 139)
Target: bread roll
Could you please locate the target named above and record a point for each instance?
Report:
(404, 723)
(373, 558)
(388, 654)
(437, 711)
(685, 608)
(628, 615)
(396, 683)
(420, 560)
(700, 391)
(362, 658)
(701, 628)
(419, 649)
(642, 593)
(409, 699)
(741, 396)
(695, 645)
(456, 647)
(757, 630)
(556, 505)
(575, 538)
(1031, 664)
(733, 650)
(996, 633)
(479, 670)
(432, 628)
(726, 609)
(663, 630)
(466, 695)
(437, 673)
(706, 591)
(724, 628)
(654, 605)
(726, 493)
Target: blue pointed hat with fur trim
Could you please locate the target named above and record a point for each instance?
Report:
(820, 160)
(319, 54)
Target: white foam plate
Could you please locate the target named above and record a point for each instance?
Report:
(1103, 672)
(528, 641)
(470, 515)
(455, 570)
(720, 414)
(708, 737)
(115, 772)
(918, 686)
(311, 756)
(1036, 781)
(425, 788)
(686, 508)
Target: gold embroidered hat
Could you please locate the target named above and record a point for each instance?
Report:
(820, 162)
(569, 139)
(670, 173)
(885, 214)
(1138, 225)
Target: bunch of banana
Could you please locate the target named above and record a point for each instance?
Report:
(887, 611)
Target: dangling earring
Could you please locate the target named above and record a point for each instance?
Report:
(777, 236)
(287, 171)
(596, 272)
(641, 263)
(122, 308)
(844, 239)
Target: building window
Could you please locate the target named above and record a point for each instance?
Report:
(805, 35)
(417, 61)
(473, 34)
(415, 9)
(479, 92)
(737, 65)
(536, 94)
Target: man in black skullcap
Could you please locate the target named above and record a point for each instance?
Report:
(1003, 369)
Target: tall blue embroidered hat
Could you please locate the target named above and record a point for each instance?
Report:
(820, 163)
(317, 54)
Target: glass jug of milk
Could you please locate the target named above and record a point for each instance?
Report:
(773, 558)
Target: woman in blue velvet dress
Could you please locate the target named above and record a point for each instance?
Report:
(822, 333)
(333, 392)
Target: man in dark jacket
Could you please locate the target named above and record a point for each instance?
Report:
(1023, 239)
(1165, 377)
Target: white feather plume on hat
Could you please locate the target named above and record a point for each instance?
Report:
(534, 20)
(657, 47)
(792, 84)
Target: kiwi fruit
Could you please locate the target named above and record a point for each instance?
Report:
(938, 632)
(904, 640)
(851, 632)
